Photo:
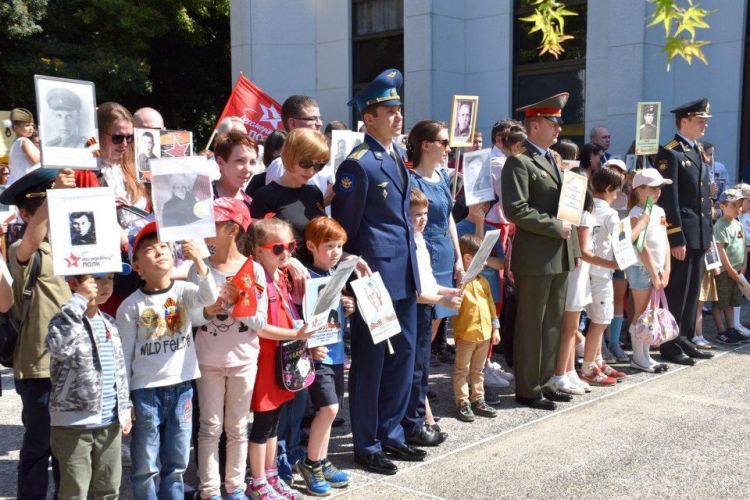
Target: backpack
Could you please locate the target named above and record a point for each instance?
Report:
(10, 325)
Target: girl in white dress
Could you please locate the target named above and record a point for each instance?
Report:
(23, 155)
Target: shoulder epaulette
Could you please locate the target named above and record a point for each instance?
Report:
(359, 152)
(671, 145)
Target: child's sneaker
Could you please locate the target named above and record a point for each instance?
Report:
(612, 373)
(573, 378)
(263, 491)
(729, 337)
(464, 412)
(701, 343)
(282, 489)
(597, 378)
(337, 478)
(479, 407)
(315, 481)
(235, 495)
(492, 376)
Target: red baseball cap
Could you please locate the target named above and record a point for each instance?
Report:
(232, 209)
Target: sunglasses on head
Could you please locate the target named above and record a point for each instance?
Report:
(278, 248)
(317, 165)
(118, 138)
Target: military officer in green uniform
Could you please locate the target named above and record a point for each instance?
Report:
(65, 119)
(544, 252)
(687, 206)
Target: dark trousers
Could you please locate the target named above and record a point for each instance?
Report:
(35, 449)
(379, 382)
(541, 302)
(682, 296)
(416, 409)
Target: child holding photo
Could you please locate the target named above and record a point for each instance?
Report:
(325, 240)
(157, 340)
(227, 349)
(274, 243)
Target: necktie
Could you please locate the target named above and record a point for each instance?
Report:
(401, 170)
(548, 156)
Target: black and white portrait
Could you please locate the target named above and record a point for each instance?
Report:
(342, 143)
(647, 128)
(147, 148)
(463, 120)
(182, 198)
(478, 177)
(67, 122)
(82, 228)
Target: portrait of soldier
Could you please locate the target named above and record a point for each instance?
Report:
(82, 228)
(64, 120)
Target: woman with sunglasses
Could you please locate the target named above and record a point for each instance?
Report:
(117, 159)
(304, 154)
(428, 149)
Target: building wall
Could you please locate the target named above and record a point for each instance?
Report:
(624, 65)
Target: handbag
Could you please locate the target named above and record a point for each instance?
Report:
(294, 365)
(656, 325)
(10, 324)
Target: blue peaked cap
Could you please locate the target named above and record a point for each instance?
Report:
(382, 91)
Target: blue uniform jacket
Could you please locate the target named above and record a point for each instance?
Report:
(372, 204)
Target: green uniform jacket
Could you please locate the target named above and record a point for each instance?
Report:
(531, 193)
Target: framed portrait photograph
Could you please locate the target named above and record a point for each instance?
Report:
(175, 143)
(478, 177)
(375, 305)
(647, 128)
(331, 331)
(147, 148)
(342, 143)
(67, 122)
(463, 120)
(84, 239)
(182, 198)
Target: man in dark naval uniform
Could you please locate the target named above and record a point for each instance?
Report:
(66, 113)
(372, 203)
(687, 205)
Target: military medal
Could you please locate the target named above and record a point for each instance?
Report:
(383, 186)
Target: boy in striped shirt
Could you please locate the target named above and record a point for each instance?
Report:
(89, 402)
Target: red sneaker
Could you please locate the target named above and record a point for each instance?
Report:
(611, 372)
(596, 377)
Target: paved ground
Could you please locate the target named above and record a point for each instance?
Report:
(682, 434)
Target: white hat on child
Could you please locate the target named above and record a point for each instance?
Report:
(649, 177)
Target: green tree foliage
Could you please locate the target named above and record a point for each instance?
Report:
(549, 19)
(19, 18)
(680, 24)
(173, 55)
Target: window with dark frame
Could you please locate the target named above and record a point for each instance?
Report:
(377, 42)
(536, 77)
(743, 172)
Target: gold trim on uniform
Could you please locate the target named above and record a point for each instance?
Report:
(391, 97)
(674, 230)
(358, 153)
(671, 145)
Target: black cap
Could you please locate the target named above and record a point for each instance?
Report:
(33, 184)
(699, 108)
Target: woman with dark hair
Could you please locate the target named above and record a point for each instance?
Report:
(568, 149)
(428, 149)
(237, 157)
(591, 157)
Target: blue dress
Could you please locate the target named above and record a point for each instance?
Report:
(436, 233)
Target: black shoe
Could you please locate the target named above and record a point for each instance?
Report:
(479, 407)
(425, 437)
(338, 422)
(431, 395)
(728, 337)
(435, 427)
(697, 353)
(450, 349)
(554, 395)
(492, 399)
(405, 452)
(539, 404)
(464, 413)
(679, 359)
(661, 367)
(377, 463)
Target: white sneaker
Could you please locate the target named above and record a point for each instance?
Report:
(500, 372)
(492, 378)
(575, 380)
(564, 385)
(700, 341)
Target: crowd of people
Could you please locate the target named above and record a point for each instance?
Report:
(155, 353)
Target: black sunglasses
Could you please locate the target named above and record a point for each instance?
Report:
(118, 138)
(317, 165)
(443, 142)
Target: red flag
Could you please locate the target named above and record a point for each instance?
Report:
(261, 114)
(244, 280)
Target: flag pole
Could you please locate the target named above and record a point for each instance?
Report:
(213, 134)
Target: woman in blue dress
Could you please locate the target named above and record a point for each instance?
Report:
(428, 151)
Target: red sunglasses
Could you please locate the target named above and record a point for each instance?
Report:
(278, 248)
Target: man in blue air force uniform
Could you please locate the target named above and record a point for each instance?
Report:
(372, 203)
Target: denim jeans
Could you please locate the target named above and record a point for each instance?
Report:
(290, 423)
(33, 478)
(161, 435)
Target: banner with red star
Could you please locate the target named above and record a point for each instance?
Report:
(247, 301)
(259, 111)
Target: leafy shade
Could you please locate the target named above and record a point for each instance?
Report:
(549, 19)
(680, 24)
(173, 55)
